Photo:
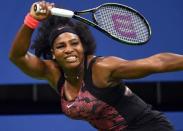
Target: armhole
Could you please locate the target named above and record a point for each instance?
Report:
(109, 95)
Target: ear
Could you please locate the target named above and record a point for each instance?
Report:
(53, 56)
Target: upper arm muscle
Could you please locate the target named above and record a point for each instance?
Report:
(32, 66)
(122, 69)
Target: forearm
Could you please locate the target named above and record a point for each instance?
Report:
(21, 43)
(168, 62)
(163, 62)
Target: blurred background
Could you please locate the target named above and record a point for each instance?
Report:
(29, 104)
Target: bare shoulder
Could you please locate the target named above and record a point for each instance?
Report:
(102, 69)
(108, 62)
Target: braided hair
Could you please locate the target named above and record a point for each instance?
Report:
(41, 44)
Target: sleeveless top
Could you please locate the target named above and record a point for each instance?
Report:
(105, 108)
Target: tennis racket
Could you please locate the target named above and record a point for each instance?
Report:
(120, 22)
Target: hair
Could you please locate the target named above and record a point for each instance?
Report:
(41, 44)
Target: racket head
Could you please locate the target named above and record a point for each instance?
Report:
(122, 23)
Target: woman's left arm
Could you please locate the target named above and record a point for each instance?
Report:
(163, 62)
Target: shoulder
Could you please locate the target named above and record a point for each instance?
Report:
(102, 69)
(108, 62)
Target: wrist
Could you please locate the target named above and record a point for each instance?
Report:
(31, 22)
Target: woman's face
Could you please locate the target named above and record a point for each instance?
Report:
(68, 50)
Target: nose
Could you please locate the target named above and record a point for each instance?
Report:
(68, 49)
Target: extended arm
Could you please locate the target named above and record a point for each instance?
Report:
(163, 62)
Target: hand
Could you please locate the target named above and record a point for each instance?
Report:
(46, 6)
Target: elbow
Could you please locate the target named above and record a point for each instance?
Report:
(13, 58)
(11, 55)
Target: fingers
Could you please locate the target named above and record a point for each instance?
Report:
(41, 10)
(44, 7)
(51, 5)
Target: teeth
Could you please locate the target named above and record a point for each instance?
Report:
(71, 59)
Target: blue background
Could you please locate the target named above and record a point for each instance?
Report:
(62, 123)
(165, 18)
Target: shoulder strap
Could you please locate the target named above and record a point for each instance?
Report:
(88, 68)
(91, 63)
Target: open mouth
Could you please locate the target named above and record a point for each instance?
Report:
(71, 59)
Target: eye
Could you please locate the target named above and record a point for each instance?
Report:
(60, 46)
(74, 43)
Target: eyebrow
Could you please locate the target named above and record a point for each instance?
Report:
(59, 43)
(74, 39)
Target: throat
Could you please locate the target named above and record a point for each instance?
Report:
(74, 75)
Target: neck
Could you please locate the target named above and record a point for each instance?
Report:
(74, 75)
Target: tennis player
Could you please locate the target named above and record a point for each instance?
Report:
(91, 88)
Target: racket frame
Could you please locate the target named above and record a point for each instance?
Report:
(76, 15)
(95, 24)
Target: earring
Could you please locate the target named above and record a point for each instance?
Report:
(53, 57)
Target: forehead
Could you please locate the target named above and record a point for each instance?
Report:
(66, 36)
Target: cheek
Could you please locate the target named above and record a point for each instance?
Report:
(58, 52)
(58, 55)
(81, 48)
(81, 53)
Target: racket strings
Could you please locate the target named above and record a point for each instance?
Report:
(122, 24)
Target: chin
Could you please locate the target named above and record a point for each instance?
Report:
(72, 65)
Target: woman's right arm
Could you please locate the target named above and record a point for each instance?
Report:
(19, 55)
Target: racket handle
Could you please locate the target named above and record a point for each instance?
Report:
(55, 11)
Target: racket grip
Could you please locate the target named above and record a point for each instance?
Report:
(62, 12)
(55, 11)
